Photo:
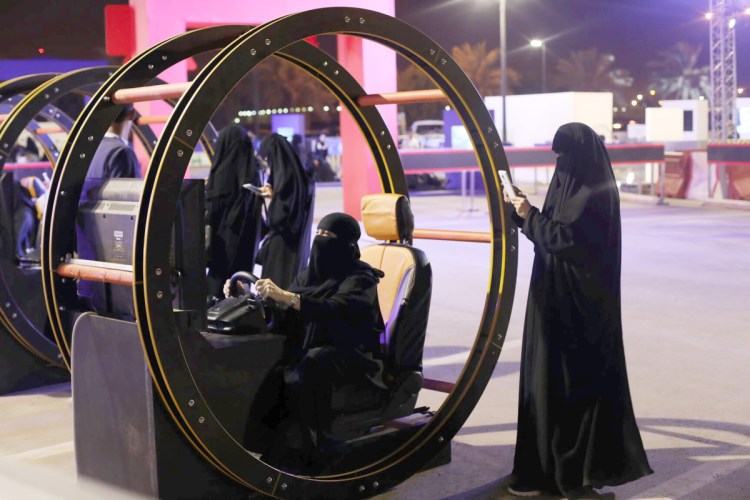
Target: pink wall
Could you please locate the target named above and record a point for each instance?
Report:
(373, 65)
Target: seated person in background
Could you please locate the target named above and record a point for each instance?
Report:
(114, 157)
(332, 321)
(31, 200)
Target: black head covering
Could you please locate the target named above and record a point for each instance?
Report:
(583, 170)
(233, 164)
(288, 209)
(334, 258)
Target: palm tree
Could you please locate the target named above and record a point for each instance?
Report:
(590, 71)
(675, 75)
(483, 68)
(413, 78)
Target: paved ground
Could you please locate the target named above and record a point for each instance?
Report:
(686, 314)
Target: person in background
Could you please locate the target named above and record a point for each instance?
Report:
(233, 213)
(576, 425)
(286, 246)
(321, 168)
(114, 157)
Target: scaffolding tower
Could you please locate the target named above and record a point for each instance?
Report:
(723, 62)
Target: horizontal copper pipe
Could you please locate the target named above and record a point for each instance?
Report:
(437, 385)
(150, 93)
(143, 120)
(447, 235)
(93, 273)
(406, 97)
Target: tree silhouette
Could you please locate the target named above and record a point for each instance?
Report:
(590, 71)
(483, 68)
(675, 74)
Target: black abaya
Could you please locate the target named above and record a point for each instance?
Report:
(576, 426)
(286, 248)
(233, 213)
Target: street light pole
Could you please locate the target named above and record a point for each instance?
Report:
(539, 44)
(503, 68)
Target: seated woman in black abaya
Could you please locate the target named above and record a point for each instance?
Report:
(286, 247)
(576, 426)
(332, 321)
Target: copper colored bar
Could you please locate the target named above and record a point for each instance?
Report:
(54, 129)
(148, 120)
(93, 273)
(406, 97)
(150, 93)
(437, 385)
(447, 235)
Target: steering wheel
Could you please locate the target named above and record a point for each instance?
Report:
(243, 276)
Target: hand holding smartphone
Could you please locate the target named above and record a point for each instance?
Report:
(252, 187)
(508, 187)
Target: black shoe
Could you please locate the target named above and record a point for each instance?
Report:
(523, 490)
(583, 493)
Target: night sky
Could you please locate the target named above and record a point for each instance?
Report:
(633, 30)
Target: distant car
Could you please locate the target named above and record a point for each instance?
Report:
(429, 132)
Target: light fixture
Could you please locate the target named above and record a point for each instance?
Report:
(639, 97)
(536, 43)
(617, 126)
(633, 102)
(732, 23)
(701, 98)
(652, 92)
(338, 108)
(740, 90)
(709, 15)
(615, 109)
(326, 108)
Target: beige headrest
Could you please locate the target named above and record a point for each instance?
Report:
(387, 217)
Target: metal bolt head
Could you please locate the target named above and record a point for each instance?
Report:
(253, 52)
(1, 157)
(512, 248)
(443, 61)
(432, 52)
(336, 72)
(361, 20)
(163, 58)
(283, 486)
(191, 402)
(325, 63)
(158, 271)
(269, 480)
(201, 420)
(7, 305)
(56, 90)
(189, 133)
(90, 138)
(106, 98)
(46, 96)
(159, 294)
(489, 130)
(361, 489)
(14, 315)
(268, 41)
(388, 146)
(382, 132)
(347, 19)
(180, 153)
(82, 156)
(150, 66)
(496, 144)
(375, 484)
(441, 439)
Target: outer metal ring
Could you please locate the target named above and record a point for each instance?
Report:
(157, 325)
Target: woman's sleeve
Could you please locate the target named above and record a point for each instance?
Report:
(353, 299)
(565, 239)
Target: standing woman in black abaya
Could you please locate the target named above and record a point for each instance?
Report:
(576, 426)
(233, 213)
(286, 247)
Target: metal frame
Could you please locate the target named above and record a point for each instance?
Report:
(723, 63)
(243, 50)
(41, 92)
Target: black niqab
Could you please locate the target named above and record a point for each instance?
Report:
(576, 425)
(232, 212)
(287, 245)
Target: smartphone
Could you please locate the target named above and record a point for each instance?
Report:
(507, 183)
(252, 187)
